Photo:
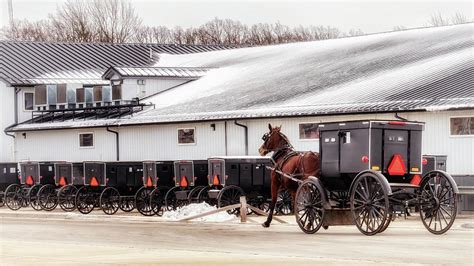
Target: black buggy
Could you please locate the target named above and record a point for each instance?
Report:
(369, 171)
(8, 176)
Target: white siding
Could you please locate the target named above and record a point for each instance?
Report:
(61, 145)
(152, 86)
(7, 118)
(159, 142)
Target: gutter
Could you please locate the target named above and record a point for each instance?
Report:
(117, 142)
(246, 136)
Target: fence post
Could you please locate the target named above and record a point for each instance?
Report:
(243, 209)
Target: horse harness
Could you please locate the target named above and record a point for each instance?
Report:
(288, 153)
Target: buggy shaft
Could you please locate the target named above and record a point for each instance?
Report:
(284, 174)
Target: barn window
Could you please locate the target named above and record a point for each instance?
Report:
(86, 140)
(308, 131)
(28, 104)
(186, 136)
(462, 126)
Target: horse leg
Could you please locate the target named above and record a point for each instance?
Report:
(293, 200)
(275, 185)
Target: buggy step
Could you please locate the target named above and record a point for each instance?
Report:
(403, 185)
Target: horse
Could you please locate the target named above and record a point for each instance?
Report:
(300, 165)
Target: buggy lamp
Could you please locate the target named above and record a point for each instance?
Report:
(415, 169)
(424, 161)
(375, 168)
(397, 123)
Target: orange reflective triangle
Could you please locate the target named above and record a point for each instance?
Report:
(397, 166)
(415, 180)
(184, 181)
(94, 182)
(149, 182)
(62, 181)
(215, 181)
(29, 180)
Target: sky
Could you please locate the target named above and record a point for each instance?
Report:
(369, 16)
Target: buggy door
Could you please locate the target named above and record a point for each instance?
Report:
(78, 174)
(149, 174)
(63, 174)
(395, 143)
(330, 153)
(29, 173)
(246, 175)
(217, 172)
(94, 174)
(184, 171)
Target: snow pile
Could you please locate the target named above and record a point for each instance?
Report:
(198, 208)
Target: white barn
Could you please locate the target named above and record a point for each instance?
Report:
(220, 102)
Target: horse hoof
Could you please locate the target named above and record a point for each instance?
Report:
(266, 225)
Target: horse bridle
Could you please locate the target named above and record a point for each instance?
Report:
(267, 136)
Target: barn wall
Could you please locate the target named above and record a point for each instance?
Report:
(7, 118)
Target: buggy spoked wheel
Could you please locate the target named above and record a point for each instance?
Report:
(309, 207)
(283, 205)
(67, 198)
(171, 202)
(85, 201)
(437, 202)
(127, 204)
(193, 195)
(47, 197)
(109, 200)
(369, 204)
(157, 200)
(33, 197)
(14, 197)
(143, 201)
(203, 196)
(230, 195)
(389, 219)
(2, 199)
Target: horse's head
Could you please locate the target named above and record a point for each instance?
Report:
(273, 140)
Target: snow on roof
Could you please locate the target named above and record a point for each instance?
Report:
(171, 72)
(414, 70)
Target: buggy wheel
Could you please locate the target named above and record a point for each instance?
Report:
(283, 205)
(47, 197)
(230, 195)
(14, 197)
(67, 198)
(33, 197)
(171, 202)
(309, 207)
(127, 204)
(203, 196)
(386, 223)
(143, 201)
(369, 203)
(2, 199)
(437, 201)
(85, 201)
(193, 195)
(109, 200)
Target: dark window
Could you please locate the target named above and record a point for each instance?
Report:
(309, 131)
(86, 140)
(186, 136)
(29, 96)
(462, 126)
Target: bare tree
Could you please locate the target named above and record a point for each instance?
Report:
(438, 20)
(458, 18)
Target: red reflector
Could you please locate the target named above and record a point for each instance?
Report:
(365, 159)
(184, 181)
(29, 180)
(94, 182)
(416, 179)
(215, 181)
(397, 166)
(149, 182)
(62, 181)
(424, 161)
(397, 123)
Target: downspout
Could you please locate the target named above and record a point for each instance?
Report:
(246, 136)
(117, 142)
(15, 104)
(225, 137)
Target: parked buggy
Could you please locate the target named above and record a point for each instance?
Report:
(93, 184)
(190, 178)
(368, 172)
(8, 176)
(33, 175)
(48, 195)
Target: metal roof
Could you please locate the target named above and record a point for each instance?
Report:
(170, 72)
(428, 69)
(23, 62)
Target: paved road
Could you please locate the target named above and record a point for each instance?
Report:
(58, 238)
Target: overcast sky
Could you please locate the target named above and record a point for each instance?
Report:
(369, 16)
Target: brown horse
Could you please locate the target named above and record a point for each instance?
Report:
(298, 164)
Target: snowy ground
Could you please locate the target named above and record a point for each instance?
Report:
(199, 208)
